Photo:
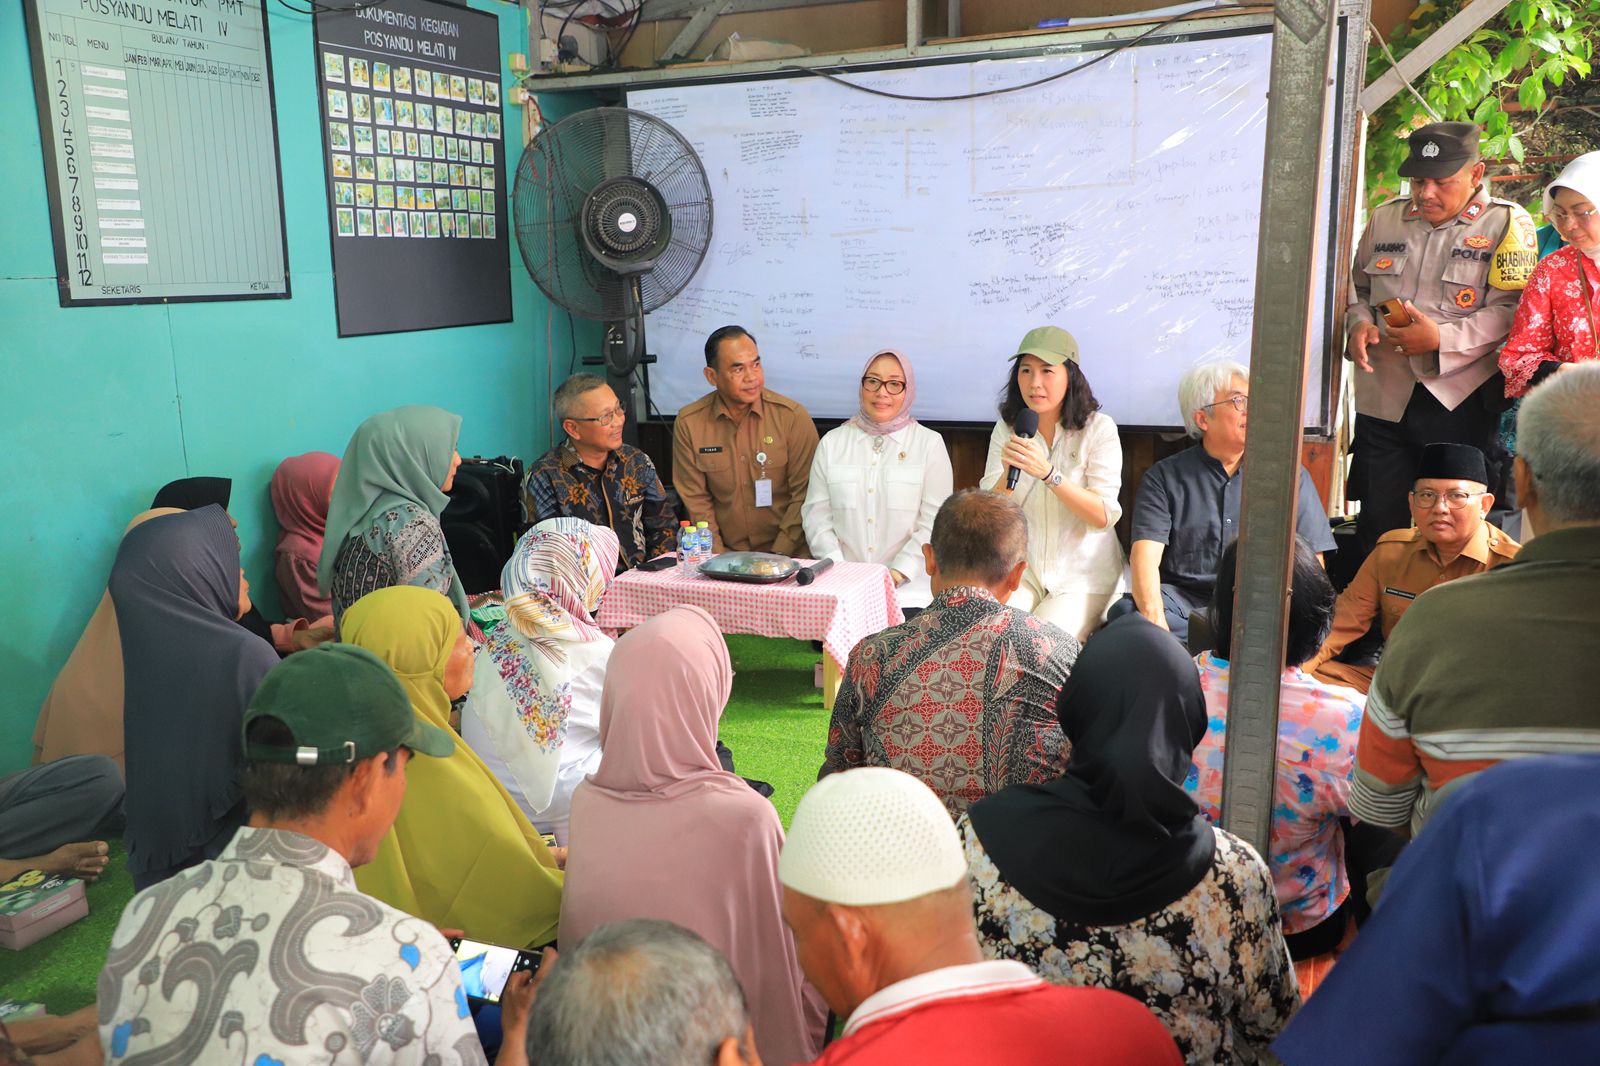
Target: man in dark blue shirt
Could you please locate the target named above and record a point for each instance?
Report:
(1188, 505)
(1481, 950)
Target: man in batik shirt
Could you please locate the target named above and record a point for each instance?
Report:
(963, 696)
(592, 475)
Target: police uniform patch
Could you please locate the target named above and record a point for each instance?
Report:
(1477, 240)
(1466, 298)
(1516, 255)
(1383, 264)
(1473, 210)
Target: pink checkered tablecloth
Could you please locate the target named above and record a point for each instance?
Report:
(849, 601)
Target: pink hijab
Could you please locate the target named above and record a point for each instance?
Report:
(302, 488)
(864, 421)
(662, 831)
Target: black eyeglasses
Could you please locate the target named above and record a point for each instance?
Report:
(607, 420)
(872, 384)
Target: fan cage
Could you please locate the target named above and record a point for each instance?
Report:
(557, 174)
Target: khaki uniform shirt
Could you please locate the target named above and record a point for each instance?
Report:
(1466, 274)
(715, 469)
(1402, 566)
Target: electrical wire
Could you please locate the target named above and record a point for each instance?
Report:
(1394, 65)
(314, 8)
(833, 75)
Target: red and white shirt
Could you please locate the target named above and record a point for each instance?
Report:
(1552, 324)
(999, 1013)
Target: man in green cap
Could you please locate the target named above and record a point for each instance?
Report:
(269, 952)
(1436, 281)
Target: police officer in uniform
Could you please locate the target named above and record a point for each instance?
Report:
(1455, 259)
(1451, 539)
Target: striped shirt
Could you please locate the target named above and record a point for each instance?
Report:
(1485, 668)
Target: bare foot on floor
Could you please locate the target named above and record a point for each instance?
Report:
(86, 860)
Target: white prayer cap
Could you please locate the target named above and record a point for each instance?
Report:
(870, 836)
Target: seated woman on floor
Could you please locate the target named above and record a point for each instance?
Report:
(82, 713)
(383, 521)
(662, 831)
(189, 671)
(300, 631)
(1318, 725)
(1109, 876)
(461, 854)
(302, 489)
(533, 715)
(878, 480)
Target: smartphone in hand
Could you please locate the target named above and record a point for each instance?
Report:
(485, 968)
(1395, 313)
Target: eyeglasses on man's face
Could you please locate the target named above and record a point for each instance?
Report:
(1240, 402)
(1455, 499)
(872, 384)
(607, 419)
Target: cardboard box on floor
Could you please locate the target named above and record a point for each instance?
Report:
(35, 904)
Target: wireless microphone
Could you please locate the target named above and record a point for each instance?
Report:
(1027, 425)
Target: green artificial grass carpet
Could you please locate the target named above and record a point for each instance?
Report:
(774, 723)
(60, 970)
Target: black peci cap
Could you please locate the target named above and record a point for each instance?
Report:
(1453, 462)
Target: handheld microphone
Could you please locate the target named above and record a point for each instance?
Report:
(1027, 425)
(812, 572)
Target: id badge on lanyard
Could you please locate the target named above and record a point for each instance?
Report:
(763, 483)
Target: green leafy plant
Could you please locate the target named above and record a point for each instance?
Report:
(1504, 77)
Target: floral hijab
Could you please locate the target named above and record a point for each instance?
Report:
(553, 585)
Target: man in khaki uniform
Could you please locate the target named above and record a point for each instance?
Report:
(741, 456)
(1457, 259)
(1448, 501)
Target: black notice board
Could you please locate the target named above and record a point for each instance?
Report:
(414, 141)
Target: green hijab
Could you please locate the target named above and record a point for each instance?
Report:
(461, 854)
(395, 457)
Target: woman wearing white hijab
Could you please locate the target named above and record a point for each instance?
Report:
(878, 480)
(1555, 322)
(533, 714)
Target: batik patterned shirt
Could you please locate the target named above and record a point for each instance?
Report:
(1318, 726)
(962, 697)
(1212, 965)
(403, 545)
(625, 494)
(269, 954)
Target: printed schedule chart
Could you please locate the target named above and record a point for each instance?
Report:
(160, 149)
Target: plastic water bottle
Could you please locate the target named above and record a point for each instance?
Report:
(703, 544)
(686, 547)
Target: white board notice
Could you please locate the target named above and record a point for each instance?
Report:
(1121, 202)
(160, 149)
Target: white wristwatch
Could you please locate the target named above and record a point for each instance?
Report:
(1054, 477)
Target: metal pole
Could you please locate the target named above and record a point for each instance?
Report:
(1302, 42)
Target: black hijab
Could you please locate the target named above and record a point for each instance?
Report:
(1117, 838)
(193, 493)
(189, 673)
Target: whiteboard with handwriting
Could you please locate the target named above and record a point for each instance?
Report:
(1121, 203)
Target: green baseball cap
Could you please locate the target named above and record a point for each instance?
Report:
(1051, 343)
(341, 704)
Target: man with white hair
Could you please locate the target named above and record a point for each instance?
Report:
(1443, 707)
(875, 889)
(1188, 505)
(641, 991)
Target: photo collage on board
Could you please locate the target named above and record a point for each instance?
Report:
(412, 150)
